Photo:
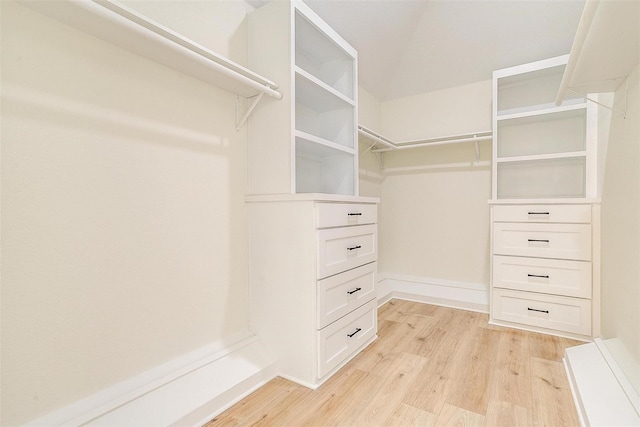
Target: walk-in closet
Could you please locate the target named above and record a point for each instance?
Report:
(320, 212)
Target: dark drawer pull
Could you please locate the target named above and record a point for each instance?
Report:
(354, 291)
(353, 248)
(538, 213)
(538, 240)
(539, 311)
(538, 275)
(351, 335)
(354, 214)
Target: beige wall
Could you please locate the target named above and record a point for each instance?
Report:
(217, 25)
(435, 218)
(621, 235)
(123, 218)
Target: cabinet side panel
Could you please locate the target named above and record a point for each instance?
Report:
(282, 281)
(270, 125)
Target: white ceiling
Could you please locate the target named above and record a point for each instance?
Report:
(407, 47)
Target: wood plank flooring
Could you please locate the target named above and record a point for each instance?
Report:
(430, 366)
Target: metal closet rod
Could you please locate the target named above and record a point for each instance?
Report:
(451, 139)
(213, 60)
(124, 27)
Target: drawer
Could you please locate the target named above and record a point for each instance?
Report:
(547, 311)
(341, 249)
(543, 213)
(548, 276)
(563, 241)
(343, 214)
(344, 337)
(340, 294)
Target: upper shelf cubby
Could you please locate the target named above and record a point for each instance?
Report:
(321, 57)
(531, 88)
(322, 113)
(559, 132)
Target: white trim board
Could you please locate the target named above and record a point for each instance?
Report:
(461, 295)
(600, 398)
(190, 389)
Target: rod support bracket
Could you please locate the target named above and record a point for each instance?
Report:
(254, 102)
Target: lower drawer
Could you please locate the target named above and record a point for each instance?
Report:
(546, 311)
(344, 337)
(547, 276)
(340, 294)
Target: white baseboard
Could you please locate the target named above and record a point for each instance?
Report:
(598, 394)
(466, 296)
(188, 390)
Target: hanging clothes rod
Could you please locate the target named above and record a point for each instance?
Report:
(126, 28)
(451, 139)
(368, 133)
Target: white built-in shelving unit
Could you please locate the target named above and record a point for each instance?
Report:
(126, 28)
(545, 212)
(312, 239)
(308, 144)
(540, 150)
(381, 144)
(605, 49)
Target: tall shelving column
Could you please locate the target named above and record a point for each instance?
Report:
(540, 150)
(545, 212)
(309, 143)
(312, 239)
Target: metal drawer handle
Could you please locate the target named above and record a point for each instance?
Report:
(353, 248)
(354, 214)
(351, 335)
(354, 291)
(538, 213)
(538, 240)
(538, 275)
(539, 311)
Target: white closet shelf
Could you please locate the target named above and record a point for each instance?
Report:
(605, 49)
(552, 156)
(125, 28)
(541, 110)
(323, 145)
(390, 145)
(316, 81)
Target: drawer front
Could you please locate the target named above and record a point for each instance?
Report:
(563, 241)
(341, 249)
(543, 213)
(344, 337)
(549, 276)
(546, 311)
(340, 294)
(344, 214)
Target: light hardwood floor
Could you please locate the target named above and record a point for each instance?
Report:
(430, 366)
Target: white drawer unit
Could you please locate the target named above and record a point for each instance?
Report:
(344, 248)
(561, 241)
(543, 213)
(549, 276)
(340, 294)
(312, 280)
(344, 214)
(545, 311)
(545, 267)
(342, 338)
